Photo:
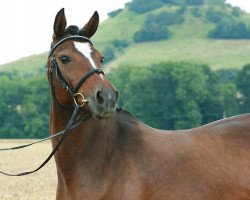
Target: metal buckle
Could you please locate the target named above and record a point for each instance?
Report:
(82, 102)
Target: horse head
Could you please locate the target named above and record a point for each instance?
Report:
(76, 64)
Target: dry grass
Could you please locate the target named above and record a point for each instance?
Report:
(38, 186)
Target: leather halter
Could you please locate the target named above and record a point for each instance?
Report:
(54, 66)
(71, 124)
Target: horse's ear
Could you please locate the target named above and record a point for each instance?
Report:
(91, 27)
(60, 24)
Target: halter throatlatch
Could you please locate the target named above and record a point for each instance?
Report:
(54, 66)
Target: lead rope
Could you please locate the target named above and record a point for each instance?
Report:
(66, 131)
(46, 138)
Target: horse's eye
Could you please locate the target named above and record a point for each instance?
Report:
(102, 60)
(65, 59)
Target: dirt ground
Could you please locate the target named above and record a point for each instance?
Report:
(38, 186)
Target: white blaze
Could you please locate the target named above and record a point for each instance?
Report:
(86, 50)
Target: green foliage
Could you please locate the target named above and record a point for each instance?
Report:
(236, 11)
(114, 13)
(230, 31)
(170, 2)
(155, 26)
(115, 46)
(120, 44)
(195, 2)
(226, 25)
(227, 75)
(174, 95)
(196, 12)
(152, 32)
(243, 83)
(215, 2)
(217, 16)
(24, 106)
(165, 18)
(109, 54)
(143, 6)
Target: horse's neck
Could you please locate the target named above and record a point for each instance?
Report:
(96, 146)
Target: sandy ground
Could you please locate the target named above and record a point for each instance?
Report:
(38, 186)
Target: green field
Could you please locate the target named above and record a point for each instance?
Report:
(216, 53)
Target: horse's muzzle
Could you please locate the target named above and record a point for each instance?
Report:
(104, 102)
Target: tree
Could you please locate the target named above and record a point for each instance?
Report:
(108, 54)
(25, 106)
(227, 30)
(152, 32)
(115, 12)
(175, 95)
(195, 2)
(155, 27)
(243, 82)
(143, 6)
(165, 95)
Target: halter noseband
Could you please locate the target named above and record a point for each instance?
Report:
(54, 66)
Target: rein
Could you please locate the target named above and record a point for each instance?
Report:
(66, 132)
(73, 91)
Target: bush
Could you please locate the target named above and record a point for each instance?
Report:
(215, 16)
(196, 12)
(165, 18)
(153, 32)
(108, 54)
(243, 82)
(120, 44)
(114, 13)
(155, 26)
(168, 1)
(195, 2)
(236, 11)
(143, 6)
(230, 31)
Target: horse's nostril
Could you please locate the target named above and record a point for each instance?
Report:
(100, 97)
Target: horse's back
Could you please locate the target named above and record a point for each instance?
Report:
(209, 162)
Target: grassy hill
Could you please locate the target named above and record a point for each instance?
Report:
(32, 64)
(188, 42)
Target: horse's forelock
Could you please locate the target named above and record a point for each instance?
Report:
(74, 30)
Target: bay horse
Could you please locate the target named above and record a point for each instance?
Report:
(114, 156)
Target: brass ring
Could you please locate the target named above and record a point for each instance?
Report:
(83, 101)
